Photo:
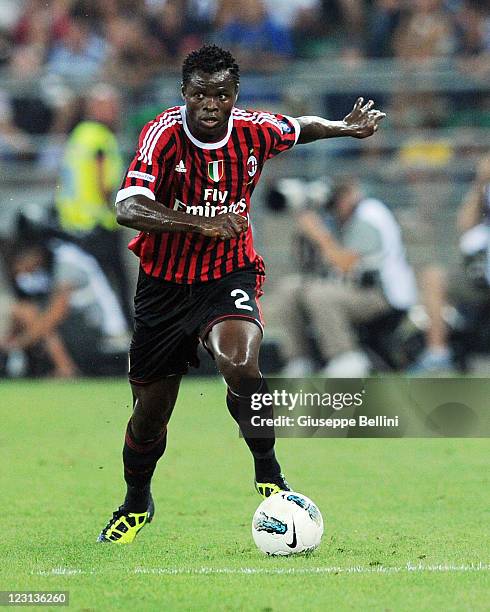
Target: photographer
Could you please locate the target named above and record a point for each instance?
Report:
(368, 277)
(65, 319)
(467, 287)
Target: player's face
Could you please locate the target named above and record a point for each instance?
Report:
(209, 99)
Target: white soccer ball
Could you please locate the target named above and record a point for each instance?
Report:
(287, 523)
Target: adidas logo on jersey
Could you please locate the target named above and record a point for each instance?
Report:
(180, 167)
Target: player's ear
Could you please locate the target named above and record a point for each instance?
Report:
(237, 91)
(182, 90)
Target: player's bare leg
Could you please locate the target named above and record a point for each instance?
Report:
(144, 444)
(235, 345)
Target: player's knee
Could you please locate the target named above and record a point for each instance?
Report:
(237, 371)
(150, 418)
(144, 429)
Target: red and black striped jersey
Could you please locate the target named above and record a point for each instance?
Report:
(174, 168)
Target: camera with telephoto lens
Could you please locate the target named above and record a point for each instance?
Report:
(294, 194)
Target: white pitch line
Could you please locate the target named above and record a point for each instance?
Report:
(200, 571)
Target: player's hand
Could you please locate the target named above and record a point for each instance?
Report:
(363, 120)
(229, 225)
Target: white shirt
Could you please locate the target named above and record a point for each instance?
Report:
(397, 277)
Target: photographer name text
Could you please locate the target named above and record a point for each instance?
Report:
(330, 423)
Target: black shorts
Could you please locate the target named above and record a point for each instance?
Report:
(171, 319)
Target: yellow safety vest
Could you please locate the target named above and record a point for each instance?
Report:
(81, 204)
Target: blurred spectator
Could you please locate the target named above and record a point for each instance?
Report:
(91, 172)
(426, 32)
(64, 311)
(179, 26)
(80, 53)
(41, 23)
(201, 16)
(341, 24)
(426, 149)
(6, 48)
(154, 6)
(167, 27)
(253, 37)
(369, 278)
(420, 109)
(384, 21)
(348, 13)
(25, 113)
(302, 18)
(473, 27)
(36, 109)
(110, 9)
(133, 57)
(467, 287)
(25, 63)
(32, 112)
(13, 142)
(37, 27)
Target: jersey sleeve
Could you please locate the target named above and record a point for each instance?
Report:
(285, 133)
(152, 161)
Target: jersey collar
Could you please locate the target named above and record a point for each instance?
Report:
(206, 145)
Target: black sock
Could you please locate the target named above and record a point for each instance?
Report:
(262, 449)
(140, 460)
(266, 466)
(137, 498)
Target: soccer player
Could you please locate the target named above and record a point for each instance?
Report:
(188, 193)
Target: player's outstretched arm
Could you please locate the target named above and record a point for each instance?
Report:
(146, 215)
(361, 122)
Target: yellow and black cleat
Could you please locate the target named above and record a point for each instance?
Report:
(275, 485)
(124, 526)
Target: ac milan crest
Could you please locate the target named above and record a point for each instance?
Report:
(252, 165)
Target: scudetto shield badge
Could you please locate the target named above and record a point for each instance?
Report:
(215, 170)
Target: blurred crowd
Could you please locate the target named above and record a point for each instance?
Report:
(51, 51)
(131, 41)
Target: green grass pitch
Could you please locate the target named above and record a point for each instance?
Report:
(407, 521)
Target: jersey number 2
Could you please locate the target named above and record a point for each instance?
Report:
(240, 301)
